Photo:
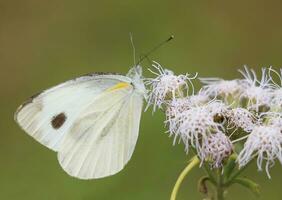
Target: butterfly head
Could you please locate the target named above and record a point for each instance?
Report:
(135, 73)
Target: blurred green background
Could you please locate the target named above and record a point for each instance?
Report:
(43, 43)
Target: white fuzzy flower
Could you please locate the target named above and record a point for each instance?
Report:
(265, 143)
(277, 88)
(219, 87)
(257, 92)
(241, 118)
(215, 148)
(166, 86)
(174, 108)
(193, 125)
(198, 99)
(275, 121)
(217, 108)
(277, 98)
(177, 106)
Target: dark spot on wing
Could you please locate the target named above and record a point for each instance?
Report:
(58, 120)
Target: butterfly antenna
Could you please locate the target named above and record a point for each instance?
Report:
(133, 48)
(146, 55)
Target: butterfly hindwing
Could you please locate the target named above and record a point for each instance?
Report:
(102, 139)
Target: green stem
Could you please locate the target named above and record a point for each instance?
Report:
(194, 162)
(219, 186)
(219, 193)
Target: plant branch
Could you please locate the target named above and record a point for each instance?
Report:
(194, 162)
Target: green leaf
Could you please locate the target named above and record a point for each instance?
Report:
(249, 184)
(229, 167)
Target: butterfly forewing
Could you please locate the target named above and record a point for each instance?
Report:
(48, 116)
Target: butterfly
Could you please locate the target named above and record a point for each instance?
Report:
(92, 122)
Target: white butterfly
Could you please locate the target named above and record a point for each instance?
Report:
(91, 121)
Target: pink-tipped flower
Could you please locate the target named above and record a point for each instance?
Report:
(216, 147)
(174, 108)
(193, 124)
(241, 118)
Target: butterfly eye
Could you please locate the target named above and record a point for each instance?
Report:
(58, 120)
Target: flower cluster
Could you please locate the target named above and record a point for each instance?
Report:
(222, 114)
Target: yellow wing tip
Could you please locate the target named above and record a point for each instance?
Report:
(120, 85)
